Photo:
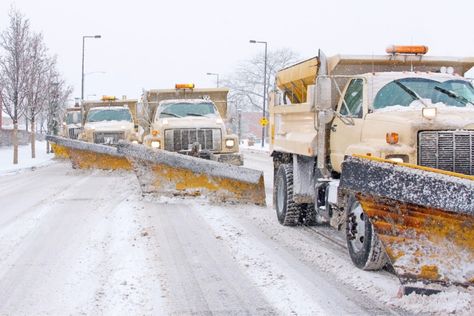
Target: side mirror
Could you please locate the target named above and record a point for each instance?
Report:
(323, 93)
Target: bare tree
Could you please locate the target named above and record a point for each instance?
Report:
(38, 79)
(14, 42)
(57, 94)
(246, 83)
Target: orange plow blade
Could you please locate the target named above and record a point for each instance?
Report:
(424, 217)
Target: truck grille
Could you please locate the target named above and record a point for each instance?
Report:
(74, 132)
(108, 138)
(447, 150)
(181, 139)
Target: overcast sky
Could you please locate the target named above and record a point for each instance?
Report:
(155, 44)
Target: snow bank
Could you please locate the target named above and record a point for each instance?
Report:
(24, 158)
(256, 147)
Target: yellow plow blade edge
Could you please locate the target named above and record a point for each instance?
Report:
(87, 155)
(168, 173)
(424, 217)
(61, 152)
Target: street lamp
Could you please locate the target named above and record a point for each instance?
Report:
(264, 85)
(82, 74)
(214, 74)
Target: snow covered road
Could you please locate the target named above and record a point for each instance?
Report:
(87, 242)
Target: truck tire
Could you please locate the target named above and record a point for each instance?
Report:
(288, 212)
(365, 249)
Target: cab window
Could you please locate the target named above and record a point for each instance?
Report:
(353, 99)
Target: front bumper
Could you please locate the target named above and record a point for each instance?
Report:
(233, 158)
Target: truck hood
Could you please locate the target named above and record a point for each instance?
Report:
(109, 126)
(446, 118)
(189, 122)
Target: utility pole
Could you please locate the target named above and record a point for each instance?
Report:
(82, 74)
(264, 116)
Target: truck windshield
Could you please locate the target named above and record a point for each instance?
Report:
(73, 117)
(457, 93)
(183, 109)
(101, 115)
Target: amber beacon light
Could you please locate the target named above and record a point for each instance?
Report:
(416, 50)
(391, 138)
(184, 86)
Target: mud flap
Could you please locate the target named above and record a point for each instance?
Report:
(166, 172)
(424, 217)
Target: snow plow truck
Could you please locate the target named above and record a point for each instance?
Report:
(381, 148)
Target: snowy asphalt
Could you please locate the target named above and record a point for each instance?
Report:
(86, 242)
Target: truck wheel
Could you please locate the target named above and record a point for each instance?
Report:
(287, 210)
(365, 249)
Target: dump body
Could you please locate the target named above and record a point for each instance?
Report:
(109, 121)
(190, 122)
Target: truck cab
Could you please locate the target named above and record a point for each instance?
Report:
(421, 118)
(191, 123)
(72, 124)
(110, 121)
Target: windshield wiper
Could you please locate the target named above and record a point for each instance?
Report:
(453, 95)
(410, 92)
(169, 113)
(194, 114)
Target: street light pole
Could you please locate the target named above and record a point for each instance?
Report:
(82, 74)
(264, 86)
(214, 74)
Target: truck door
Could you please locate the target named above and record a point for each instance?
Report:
(346, 127)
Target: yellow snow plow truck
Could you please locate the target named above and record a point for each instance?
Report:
(382, 149)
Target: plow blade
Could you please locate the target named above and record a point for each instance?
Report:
(166, 172)
(87, 155)
(424, 217)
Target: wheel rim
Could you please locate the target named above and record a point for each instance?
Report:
(280, 195)
(358, 227)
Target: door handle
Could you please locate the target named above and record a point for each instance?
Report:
(333, 128)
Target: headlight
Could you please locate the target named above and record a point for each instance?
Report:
(155, 144)
(135, 142)
(398, 158)
(429, 113)
(229, 143)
